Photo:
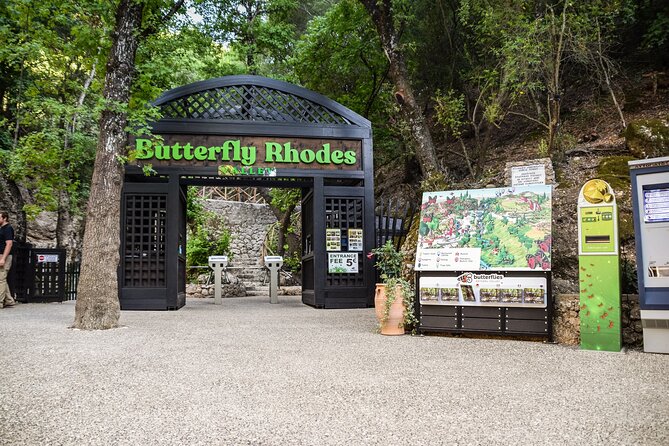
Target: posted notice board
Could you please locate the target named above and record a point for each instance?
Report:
(505, 228)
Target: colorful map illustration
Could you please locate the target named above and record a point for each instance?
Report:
(501, 228)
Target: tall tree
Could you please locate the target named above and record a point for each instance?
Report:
(97, 293)
(389, 27)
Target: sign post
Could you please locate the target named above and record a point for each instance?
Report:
(218, 264)
(273, 263)
(599, 267)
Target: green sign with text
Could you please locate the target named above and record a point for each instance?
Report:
(250, 152)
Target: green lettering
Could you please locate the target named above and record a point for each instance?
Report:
(162, 152)
(248, 155)
(213, 151)
(273, 152)
(201, 153)
(230, 145)
(337, 157)
(290, 155)
(307, 156)
(176, 153)
(188, 152)
(143, 149)
(323, 155)
(349, 157)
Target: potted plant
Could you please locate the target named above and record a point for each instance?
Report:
(394, 297)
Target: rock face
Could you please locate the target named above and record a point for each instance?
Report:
(248, 224)
(12, 203)
(648, 138)
(42, 231)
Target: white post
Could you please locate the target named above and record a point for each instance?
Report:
(273, 263)
(218, 263)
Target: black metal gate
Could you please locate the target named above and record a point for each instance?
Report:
(45, 276)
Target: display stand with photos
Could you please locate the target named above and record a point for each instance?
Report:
(483, 261)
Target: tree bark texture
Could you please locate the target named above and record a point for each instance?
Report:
(97, 294)
(381, 12)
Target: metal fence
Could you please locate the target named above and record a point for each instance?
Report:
(393, 222)
(72, 271)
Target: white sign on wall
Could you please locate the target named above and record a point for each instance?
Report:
(355, 240)
(528, 175)
(342, 262)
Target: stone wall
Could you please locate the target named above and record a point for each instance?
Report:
(248, 224)
(566, 323)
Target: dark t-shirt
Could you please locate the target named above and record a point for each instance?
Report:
(6, 233)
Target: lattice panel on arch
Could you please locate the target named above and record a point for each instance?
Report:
(250, 103)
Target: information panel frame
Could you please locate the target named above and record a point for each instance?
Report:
(483, 261)
(506, 228)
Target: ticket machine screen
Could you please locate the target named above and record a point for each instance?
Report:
(656, 203)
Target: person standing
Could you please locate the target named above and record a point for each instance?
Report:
(6, 245)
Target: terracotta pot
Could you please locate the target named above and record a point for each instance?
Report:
(395, 324)
(379, 301)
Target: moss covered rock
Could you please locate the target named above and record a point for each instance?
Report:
(648, 138)
(615, 171)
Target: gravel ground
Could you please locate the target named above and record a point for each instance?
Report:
(251, 373)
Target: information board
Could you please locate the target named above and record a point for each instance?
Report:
(485, 229)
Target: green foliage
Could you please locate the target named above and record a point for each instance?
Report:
(259, 31)
(207, 235)
(284, 199)
(292, 262)
(50, 71)
(340, 56)
(202, 244)
(194, 208)
(388, 261)
(408, 293)
(170, 59)
(450, 111)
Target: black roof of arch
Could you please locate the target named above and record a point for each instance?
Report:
(254, 99)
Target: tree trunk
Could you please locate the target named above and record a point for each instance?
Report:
(381, 13)
(97, 294)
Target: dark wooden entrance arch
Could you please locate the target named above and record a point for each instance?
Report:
(299, 138)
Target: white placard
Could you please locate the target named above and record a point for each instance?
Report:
(47, 258)
(528, 175)
(355, 240)
(342, 262)
(448, 259)
(333, 239)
